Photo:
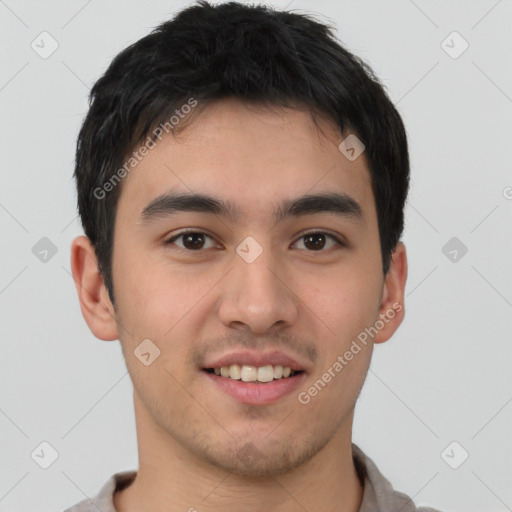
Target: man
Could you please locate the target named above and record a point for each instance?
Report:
(241, 181)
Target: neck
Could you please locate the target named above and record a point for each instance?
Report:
(171, 478)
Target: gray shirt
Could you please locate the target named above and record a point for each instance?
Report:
(378, 493)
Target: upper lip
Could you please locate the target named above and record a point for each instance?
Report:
(251, 358)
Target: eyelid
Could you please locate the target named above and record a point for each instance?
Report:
(186, 232)
(338, 239)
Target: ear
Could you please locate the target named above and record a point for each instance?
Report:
(96, 306)
(392, 308)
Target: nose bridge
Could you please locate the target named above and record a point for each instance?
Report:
(256, 294)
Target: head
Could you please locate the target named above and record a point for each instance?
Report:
(245, 107)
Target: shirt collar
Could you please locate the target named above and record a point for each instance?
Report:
(378, 493)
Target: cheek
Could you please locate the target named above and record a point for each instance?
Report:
(159, 302)
(334, 389)
(344, 301)
(147, 290)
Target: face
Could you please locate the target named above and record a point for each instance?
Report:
(248, 287)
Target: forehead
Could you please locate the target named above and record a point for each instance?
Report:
(251, 156)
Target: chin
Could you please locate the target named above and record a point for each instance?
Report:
(262, 458)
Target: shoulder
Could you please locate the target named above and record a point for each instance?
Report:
(378, 493)
(104, 499)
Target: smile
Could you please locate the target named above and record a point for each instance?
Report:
(247, 373)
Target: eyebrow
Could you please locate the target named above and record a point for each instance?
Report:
(170, 203)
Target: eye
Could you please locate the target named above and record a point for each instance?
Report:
(317, 240)
(192, 240)
(195, 240)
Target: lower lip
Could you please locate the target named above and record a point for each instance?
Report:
(257, 393)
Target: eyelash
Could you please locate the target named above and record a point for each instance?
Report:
(170, 241)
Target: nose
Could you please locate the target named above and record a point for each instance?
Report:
(258, 296)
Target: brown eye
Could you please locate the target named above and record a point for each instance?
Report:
(191, 240)
(317, 240)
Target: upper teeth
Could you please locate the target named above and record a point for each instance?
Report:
(254, 373)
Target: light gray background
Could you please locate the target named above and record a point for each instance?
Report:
(445, 376)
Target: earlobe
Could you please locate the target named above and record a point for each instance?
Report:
(392, 308)
(97, 309)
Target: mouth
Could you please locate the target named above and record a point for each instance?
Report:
(255, 379)
(255, 374)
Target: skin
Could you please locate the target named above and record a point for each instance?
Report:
(292, 297)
